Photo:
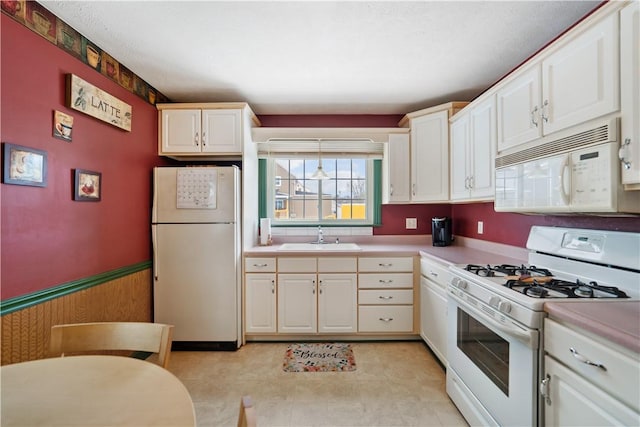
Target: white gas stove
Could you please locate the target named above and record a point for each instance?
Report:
(496, 315)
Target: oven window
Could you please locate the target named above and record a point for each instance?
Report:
(488, 351)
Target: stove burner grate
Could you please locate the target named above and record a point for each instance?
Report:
(506, 270)
(556, 288)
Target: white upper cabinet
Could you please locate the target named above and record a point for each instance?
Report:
(398, 175)
(428, 156)
(473, 145)
(519, 110)
(630, 95)
(200, 130)
(573, 84)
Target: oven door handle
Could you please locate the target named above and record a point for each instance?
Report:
(530, 339)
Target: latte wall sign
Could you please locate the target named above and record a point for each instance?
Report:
(86, 98)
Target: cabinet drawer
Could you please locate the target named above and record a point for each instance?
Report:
(338, 265)
(297, 265)
(620, 378)
(266, 265)
(385, 264)
(385, 318)
(435, 272)
(383, 296)
(385, 280)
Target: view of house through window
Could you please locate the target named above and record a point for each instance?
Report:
(344, 197)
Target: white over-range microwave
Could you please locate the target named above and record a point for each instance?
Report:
(578, 173)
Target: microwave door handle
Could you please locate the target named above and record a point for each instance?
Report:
(527, 338)
(563, 172)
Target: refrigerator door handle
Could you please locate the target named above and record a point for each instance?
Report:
(154, 238)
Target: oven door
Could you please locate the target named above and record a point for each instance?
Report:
(495, 359)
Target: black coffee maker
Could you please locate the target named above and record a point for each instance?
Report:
(441, 231)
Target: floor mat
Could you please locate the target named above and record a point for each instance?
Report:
(319, 357)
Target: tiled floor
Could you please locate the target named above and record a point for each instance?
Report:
(395, 384)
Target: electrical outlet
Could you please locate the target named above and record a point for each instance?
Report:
(480, 227)
(411, 223)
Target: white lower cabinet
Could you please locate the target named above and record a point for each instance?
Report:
(328, 295)
(317, 295)
(385, 293)
(297, 303)
(588, 381)
(433, 306)
(260, 295)
(337, 303)
(260, 303)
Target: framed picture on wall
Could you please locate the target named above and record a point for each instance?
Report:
(24, 165)
(87, 186)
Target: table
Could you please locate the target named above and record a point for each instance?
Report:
(92, 391)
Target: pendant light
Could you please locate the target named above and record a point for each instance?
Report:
(319, 173)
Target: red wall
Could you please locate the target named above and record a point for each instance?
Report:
(513, 229)
(47, 238)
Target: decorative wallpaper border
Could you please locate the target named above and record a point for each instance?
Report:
(41, 21)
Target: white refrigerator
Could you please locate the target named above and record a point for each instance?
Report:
(197, 255)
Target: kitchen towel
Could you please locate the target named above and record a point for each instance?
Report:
(265, 231)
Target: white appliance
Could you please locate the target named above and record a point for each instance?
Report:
(197, 255)
(494, 345)
(577, 173)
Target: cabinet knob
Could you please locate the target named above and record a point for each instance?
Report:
(386, 319)
(386, 298)
(196, 139)
(204, 139)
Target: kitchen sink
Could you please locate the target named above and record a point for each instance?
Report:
(319, 247)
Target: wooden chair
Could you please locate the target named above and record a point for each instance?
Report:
(247, 416)
(102, 336)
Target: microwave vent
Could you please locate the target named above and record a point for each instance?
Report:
(593, 136)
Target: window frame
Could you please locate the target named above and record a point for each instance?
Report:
(370, 195)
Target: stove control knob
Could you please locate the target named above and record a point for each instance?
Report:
(504, 306)
(462, 284)
(455, 281)
(494, 301)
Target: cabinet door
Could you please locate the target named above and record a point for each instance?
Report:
(630, 92)
(181, 131)
(430, 158)
(260, 303)
(482, 146)
(398, 174)
(519, 110)
(297, 303)
(222, 131)
(574, 401)
(337, 303)
(581, 80)
(459, 158)
(433, 318)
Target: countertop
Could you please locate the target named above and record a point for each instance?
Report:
(617, 321)
(463, 251)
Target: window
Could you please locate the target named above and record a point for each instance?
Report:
(346, 198)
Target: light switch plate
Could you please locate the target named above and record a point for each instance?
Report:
(480, 227)
(411, 223)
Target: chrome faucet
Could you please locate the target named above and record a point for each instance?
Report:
(320, 238)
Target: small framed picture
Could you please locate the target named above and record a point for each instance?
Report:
(62, 125)
(24, 166)
(87, 186)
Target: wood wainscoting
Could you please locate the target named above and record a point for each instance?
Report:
(26, 332)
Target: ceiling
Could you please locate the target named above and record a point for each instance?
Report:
(321, 57)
